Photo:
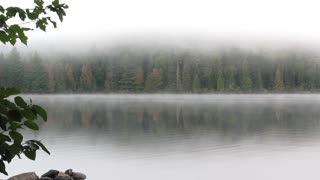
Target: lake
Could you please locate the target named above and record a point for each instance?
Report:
(171, 137)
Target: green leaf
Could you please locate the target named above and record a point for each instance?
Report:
(17, 137)
(9, 104)
(11, 11)
(22, 14)
(12, 91)
(42, 24)
(1, 9)
(28, 114)
(6, 92)
(20, 102)
(23, 38)
(55, 3)
(13, 40)
(4, 138)
(14, 126)
(3, 109)
(31, 154)
(3, 168)
(31, 15)
(32, 125)
(40, 111)
(52, 22)
(61, 13)
(42, 147)
(3, 123)
(32, 144)
(4, 38)
(14, 115)
(39, 2)
(16, 148)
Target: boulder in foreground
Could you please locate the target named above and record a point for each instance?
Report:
(25, 176)
(51, 173)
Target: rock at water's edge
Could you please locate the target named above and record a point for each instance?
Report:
(63, 176)
(46, 178)
(78, 176)
(51, 173)
(25, 176)
(69, 172)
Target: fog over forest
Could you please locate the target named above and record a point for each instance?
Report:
(182, 65)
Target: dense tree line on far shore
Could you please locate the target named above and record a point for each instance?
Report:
(164, 70)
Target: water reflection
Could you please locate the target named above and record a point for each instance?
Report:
(181, 136)
(238, 118)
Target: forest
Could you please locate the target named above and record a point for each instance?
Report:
(164, 70)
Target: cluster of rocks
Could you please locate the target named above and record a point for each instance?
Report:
(51, 175)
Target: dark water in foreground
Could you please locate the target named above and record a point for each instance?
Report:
(155, 137)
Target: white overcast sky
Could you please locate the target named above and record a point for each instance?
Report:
(258, 18)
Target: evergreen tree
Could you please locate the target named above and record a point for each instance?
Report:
(60, 77)
(14, 69)
(128, 71)
(171, 76)
(187, 76)
(108, 80)
(51, 78)
(196, 84)
(154, 81)
(2, 71)
(246, 82)
(229, 76)
(278, 82)
(257, 80)
(87, 81)
(70, 80)
(220, 81)
(178, 76)
(98, 72)
(139, 79)
(127, 81)
(38, 78)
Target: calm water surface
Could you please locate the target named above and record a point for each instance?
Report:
(144, 137)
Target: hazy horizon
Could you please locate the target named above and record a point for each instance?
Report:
(238, 23)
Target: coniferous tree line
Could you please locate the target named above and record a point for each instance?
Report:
(164, 70)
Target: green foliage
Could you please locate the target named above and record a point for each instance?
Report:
(38, 14)
(154, 81)
(246, 82)
(278, 82)
(220, 82)
(129, 71)
(196, 84)
(15, 116)
(19, 114)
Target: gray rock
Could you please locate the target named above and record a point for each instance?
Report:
(25, 176)
(78, 176)
(69, 172)
(46, 178)
(51, 173)
(63, 176)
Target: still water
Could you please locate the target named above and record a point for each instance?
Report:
(144, 137)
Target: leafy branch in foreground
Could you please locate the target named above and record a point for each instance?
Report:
(15, 116)
(37, 14)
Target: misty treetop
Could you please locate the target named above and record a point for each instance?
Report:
(164, 70)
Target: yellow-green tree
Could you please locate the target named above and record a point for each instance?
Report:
(278, 82)
(87, 81)
(154, 80)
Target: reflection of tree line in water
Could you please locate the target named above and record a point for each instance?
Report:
(157, 117)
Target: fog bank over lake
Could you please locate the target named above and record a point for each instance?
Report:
(180, 136)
